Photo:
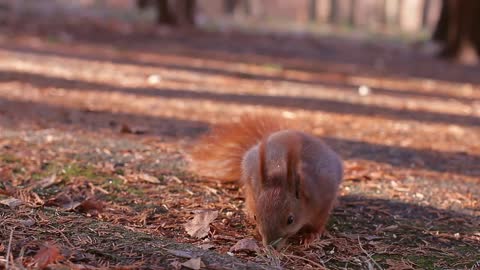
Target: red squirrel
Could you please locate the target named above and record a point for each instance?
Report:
(290, 178)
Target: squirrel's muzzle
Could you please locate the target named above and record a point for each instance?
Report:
(276, 244)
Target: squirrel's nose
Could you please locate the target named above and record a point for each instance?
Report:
(275, 243)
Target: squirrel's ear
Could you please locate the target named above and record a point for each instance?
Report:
(295, 179)
(297, 185)
(293, 176)
(296, 182)
(262, 162)
(301, 191)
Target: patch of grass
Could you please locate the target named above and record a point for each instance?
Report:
(46, 170)
(181, 173)
(74, 170)
(9, 158)
(424, 262)
(119, 172)
(273, 67)
(17, 170)
(102, 254)
(382, 258)
(114, 182)
(135, 191)
(67, 172)
(156, 209)
(336, 223)
(468, 251)
(421, 262)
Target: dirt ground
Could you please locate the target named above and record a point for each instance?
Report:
(96, 121)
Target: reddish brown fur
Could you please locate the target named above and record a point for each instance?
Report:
(263, 169)
(290, 178)
(293, 158)
(218, 155)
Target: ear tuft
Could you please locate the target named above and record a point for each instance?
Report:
(297, 186)
(293, 177)
(262, 158)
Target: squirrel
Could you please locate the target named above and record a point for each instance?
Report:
(290, 178)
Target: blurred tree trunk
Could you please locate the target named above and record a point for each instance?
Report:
(411, 15)
(392, 13)
(312, 10)
(183, 12)
(229, 6)
(340, 11)
(425, 9)
(256, 8)
(323, 10)
(431, 13)
(363, 12)
(457, 30)
(164, 15)
(380, 8)
(440, 32)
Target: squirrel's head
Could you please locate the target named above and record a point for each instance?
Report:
(276, 195)
(278, 215)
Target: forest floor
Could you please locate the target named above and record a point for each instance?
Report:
(96, 121)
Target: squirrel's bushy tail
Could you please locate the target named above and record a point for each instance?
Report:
(218, 154)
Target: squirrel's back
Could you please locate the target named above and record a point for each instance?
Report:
(218, 155)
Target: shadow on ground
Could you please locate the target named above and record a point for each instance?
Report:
(405, 157)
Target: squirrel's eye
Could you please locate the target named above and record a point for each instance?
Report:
(290, 220)
(255, 217)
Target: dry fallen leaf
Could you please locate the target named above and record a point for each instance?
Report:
(48, 254)
(173, 178)
(199, 226)
(27, 222)
(245, 245)
(180, 253)
(48, 181)
(11, 202)
(85, 205)
(125, 129)
(194, 263)
(148, 178)
(372, 237)
(206, 246)
(91, 206)
(176, 265)
(133, 130)
(64, 201)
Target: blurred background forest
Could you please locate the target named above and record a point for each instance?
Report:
(450, 23)
(414, 18)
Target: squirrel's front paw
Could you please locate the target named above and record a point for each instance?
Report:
(308, 238)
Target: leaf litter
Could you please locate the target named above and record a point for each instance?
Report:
(48, 254)
(245, 245)
(194, 263)
(199, 226)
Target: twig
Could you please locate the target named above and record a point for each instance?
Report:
(368, 255)
(9, 248)
(272, 257)
(63, 235)
(307, 260)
